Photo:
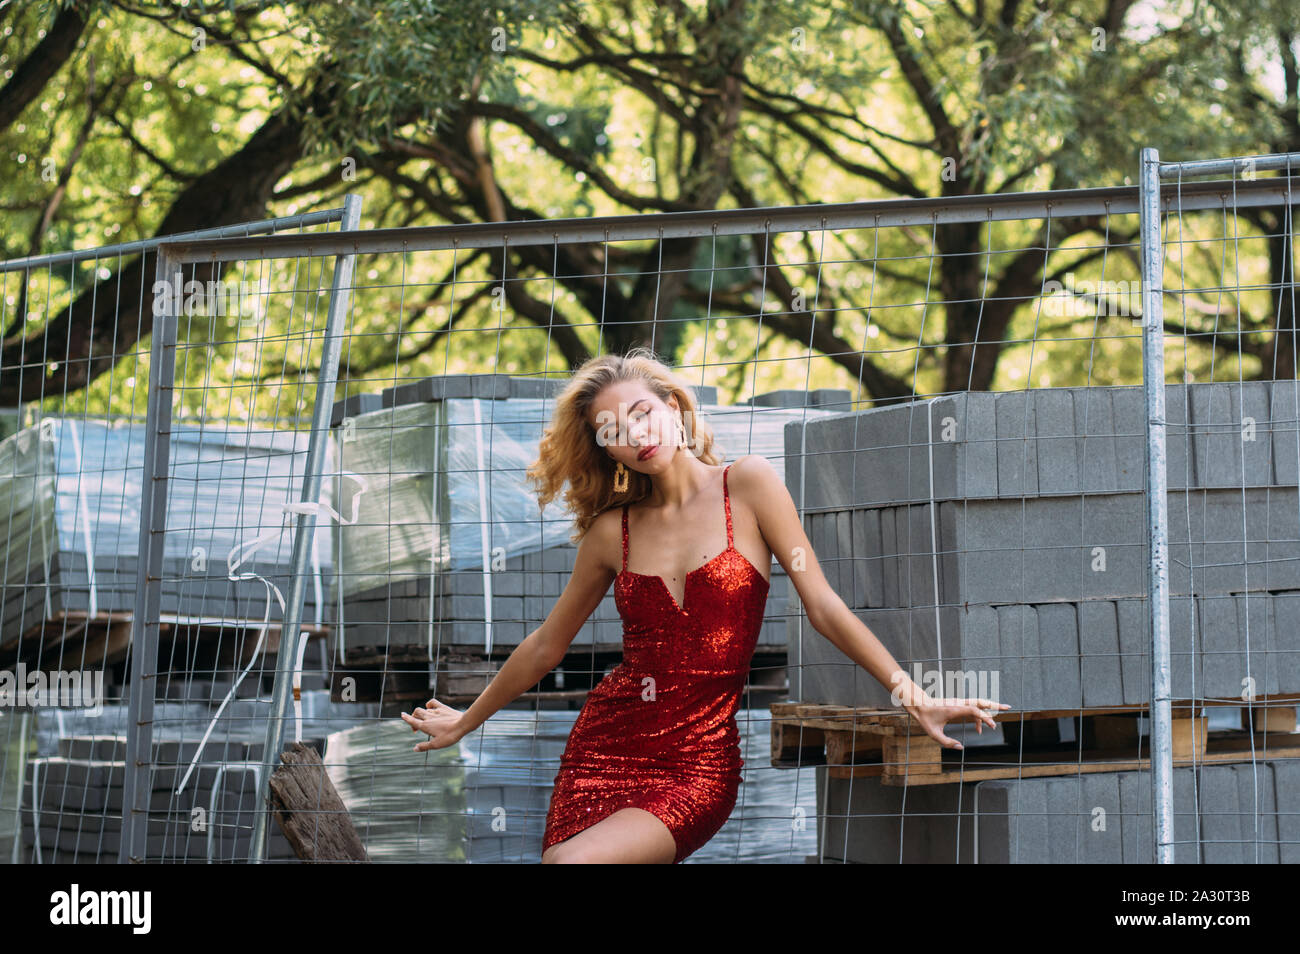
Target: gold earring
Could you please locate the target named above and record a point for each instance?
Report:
(681, 431)
(620, 478)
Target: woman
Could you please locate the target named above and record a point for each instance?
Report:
(651, 769)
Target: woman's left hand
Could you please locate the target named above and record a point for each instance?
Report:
(934, 714)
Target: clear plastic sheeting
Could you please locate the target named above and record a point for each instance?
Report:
(79, 820)
(447, 489)
(484, 801)
(74, 485)
(70, 495)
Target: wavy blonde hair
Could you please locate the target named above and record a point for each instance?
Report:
(568, 452)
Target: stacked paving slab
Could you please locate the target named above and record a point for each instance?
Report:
(72, 802)
(1232, 810)
(1006, 534)
(438, 453)
(70, 522)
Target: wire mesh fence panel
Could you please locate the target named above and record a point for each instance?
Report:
(952, 392)
(75, 371)
(1229, 305)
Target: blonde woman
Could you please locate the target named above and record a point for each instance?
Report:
(651, 769)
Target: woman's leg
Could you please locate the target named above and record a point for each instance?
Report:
(628, 836)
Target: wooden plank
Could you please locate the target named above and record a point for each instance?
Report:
(909, 757)
(1268, 718)
(1002, 763)
(309, 810)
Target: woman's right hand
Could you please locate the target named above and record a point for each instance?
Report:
(440, 722)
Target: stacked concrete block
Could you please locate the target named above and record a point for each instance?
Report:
(1045, 442)
(409, 572)
(1092, 654)
(1007, 534)
(450, 609)
(69, 516)
(999, 541)
(1223, 813)
(824, 399)
(72, 803)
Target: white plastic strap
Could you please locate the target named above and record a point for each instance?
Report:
(232, 564)
(484, 517)
(84, 513)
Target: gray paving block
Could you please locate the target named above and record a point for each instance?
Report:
(1216, 436)
(940, 449)
(1286, 782)
(1179, 473)
(991, 560)
(1066, 822)
(981, 651)
(1220, 819)
(1128, 411)
(1101, 842)
(1099, 642)
(793, 435)
(892, 593)
(1185, 817)
(1284, 418)
(1224, 670)
(831, 465)
(1058, 641)
(1186, 664)
(1095, 424)
(921, 556)
(1057, 454)
(1252, 406)
(1029, 841)
(978, 473)
(1135, 809)
(995, 824)
(1134, 648)
(820, 397)
(1017, 444)
(1023, 686)
(354, 405)
(1256, 795)
(862, 821)
(1286, 611)
(1258, 643)
(845, 555)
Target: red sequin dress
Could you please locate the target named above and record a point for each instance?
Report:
(659, 732)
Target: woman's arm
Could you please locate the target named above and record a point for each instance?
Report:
(778, 521)
(539, 653)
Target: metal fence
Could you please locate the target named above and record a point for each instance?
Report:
(982, 503)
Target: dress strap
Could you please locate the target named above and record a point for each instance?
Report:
(726, 502)
(624, 536)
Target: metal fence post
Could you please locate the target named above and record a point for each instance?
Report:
(286, 654)
(149, 567)
(1153, 383)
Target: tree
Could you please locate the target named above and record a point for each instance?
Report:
(467, 112)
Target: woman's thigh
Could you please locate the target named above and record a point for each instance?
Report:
(628, 836)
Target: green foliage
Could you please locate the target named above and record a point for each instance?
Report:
(389, 63)
(832, 111)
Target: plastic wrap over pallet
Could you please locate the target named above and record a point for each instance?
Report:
(447, 488)
(70, 517)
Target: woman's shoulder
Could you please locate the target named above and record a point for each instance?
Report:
(749, 470)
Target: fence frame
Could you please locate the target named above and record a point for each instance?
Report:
(153, 527)
(1151, 198)
(1146, 199)
(1152, 171)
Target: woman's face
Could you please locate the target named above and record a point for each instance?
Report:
(631, 421)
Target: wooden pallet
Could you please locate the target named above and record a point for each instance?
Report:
(99, 640)
(888, 743)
